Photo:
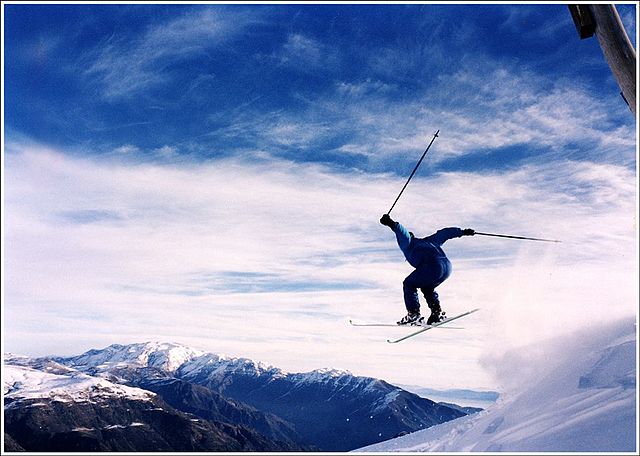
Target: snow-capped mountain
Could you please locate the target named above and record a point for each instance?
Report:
(70, 411)
(164, 356)
(572, 394)
(325, 409)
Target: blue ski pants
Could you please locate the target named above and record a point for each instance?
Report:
(426, 277)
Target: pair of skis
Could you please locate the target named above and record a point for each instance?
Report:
(422, 329)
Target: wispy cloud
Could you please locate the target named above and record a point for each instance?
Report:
(305, 54)
(478, 109)
(86, 216)
(123, 66)
(126, 149)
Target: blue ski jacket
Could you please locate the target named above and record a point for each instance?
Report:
(422, 251)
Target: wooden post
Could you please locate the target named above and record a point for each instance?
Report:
(583, 20)
(614, 42)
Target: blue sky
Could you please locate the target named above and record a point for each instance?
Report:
(214, 175)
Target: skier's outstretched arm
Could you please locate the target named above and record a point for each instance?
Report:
(443, 235)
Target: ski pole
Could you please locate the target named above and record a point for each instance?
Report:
(516, 237)
(413, 172)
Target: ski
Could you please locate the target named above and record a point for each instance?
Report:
(426, 328)
(389, 325)
(395, 325)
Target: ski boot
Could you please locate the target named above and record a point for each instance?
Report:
(437, 315)
(412, 318)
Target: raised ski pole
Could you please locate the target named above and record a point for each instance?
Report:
(516, 237)
(413, 172)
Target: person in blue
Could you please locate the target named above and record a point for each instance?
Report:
(432, 268)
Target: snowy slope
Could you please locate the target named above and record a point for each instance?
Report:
(576, 393)
(24, 383)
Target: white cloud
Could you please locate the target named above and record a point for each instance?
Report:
(166, 152)
(491, 108)
(366, 87)
(124, 66)
(301, 48)
(268, 259)
(481, 109)
(306, 54)
(127, 149)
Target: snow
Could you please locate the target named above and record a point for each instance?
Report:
(220, 366)
(208, 362)
(575, 393)
(166, 356)
(25, 383)
(386, 400)
(322, 375)
(108, 428)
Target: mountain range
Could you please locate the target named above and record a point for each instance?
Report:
(158, 396)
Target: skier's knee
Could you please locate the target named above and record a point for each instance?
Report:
(408, 283)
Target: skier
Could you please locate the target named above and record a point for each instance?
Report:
(432, 268)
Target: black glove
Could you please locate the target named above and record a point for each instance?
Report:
(386, 220)
(468, 232)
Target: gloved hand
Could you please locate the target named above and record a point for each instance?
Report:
(468, 232)
(386, 220)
